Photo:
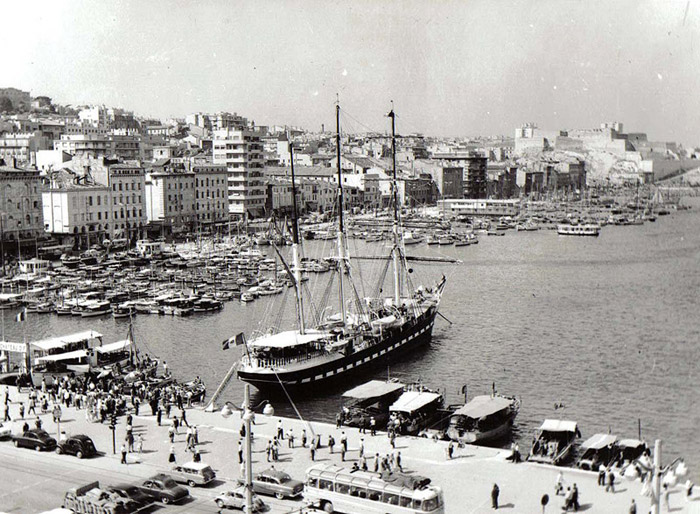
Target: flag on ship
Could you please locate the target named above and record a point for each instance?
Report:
(21, 315)
(236, 340)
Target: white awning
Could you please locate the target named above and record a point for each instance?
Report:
(113, 347)
(78, 354)
(598, 441)
(286, 339)
(558, 425)
(61, 341)
(411, 401)
(483, 405)
(373, 389)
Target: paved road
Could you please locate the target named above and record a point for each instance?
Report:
(32, 482)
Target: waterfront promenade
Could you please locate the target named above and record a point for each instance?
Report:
(466, 479)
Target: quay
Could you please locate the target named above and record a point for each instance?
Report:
(466, 479)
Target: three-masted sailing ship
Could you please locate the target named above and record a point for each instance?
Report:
(374, 332)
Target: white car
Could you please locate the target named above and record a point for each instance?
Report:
(235, 499)
(5, 431)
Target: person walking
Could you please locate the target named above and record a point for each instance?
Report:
(610, 486)
(559, 484)
(123, 450)
(376, 462)
(312, 451)
(32, 404)
(290, 438)
(171, 456)
(183, 417)
(171, 433)
(494, 496)
(633, 507)
(21, 410)
(361, 449)
(574, 497)
(363, 463)
(450, 450)
(303, 438)
(139, 443)
(343, 442)
(130, 441)
(280, 430)
(240, 452)
(7, 413)
(331, 443)
(197, 457)
(159, 415)
(392, 439)
(372, 426)
(342, 453)
(601, 476)
(398, 461)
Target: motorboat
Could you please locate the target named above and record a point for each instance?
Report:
(414, 411)
(598, 450)
(587, 229)
(484, 418)
(370, 400)
(554, 441)
(410, 238)
(96, 308)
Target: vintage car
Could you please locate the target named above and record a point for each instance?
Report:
(193, 473)
(163, 488)
(236, 500)
(133, 493)
(78, 445)
(5, 431)
(36, 438)
(276, 483)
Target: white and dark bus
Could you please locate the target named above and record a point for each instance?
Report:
(337, 489)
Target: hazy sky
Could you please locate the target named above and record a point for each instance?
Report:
(451, 68)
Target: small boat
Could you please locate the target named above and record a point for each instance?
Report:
(97, 308)
(409, 238)
(495, 232)
(414, 411)
(247, 297)
(123, 311)
(554, 442)
(598, 450)
(588, 229)
(207, 305)
(70, 261)
(630, 451)
(432, 240)
(483, 418)
(370, 400)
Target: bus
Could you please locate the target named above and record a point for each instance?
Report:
(333, 489)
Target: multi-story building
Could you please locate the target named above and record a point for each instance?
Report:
(94, 116)
(126, 183)
(22, 147)
(211, 191)
(475, 177)
(317, 195)
(21, 216)
(170, 198)
(448, 178)
(76, 209)
(85, 145)
(417, 192)
(241, 152)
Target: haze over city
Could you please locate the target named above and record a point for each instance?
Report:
(452, 68)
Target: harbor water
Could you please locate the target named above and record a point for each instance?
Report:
(608, 327)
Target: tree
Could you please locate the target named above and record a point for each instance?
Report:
(6, 104)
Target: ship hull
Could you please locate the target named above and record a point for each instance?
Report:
(310, 378)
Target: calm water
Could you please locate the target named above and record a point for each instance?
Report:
(608, 326)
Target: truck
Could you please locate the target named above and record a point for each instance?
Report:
(90, 499)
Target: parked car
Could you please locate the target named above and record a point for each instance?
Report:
(163, 488)
(236, 500)
(133, 493)
(36, 438)
(276, 483)
(5, 431)
(192, 473)
(78, 445)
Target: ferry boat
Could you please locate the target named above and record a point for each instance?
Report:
(415, 410)
(336, 345)
(370, 400)
(554, 442)
(587, 229)
(598, 450)
(484, 418)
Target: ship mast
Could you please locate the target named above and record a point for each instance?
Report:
(341, 228)
(396, 225)
(296, 265)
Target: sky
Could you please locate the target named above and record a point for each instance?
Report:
(452, 68)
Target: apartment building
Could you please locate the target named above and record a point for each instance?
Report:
(242, 153)
(21, 216)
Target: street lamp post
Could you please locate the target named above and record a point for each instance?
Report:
(247, 414)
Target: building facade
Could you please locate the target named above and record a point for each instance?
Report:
(21, 216)
(475, 177)
(242, 154)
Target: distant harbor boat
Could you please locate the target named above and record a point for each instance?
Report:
(588, 229)
(555, 442)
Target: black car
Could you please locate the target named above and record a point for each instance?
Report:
(78, 445)
(37, 439)
(133, 493)
(163, 488)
